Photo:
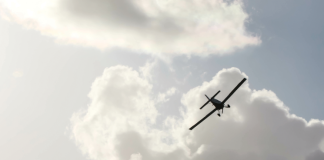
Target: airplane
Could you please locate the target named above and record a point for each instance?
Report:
(218, 105)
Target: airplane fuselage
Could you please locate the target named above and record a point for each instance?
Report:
(218, 105)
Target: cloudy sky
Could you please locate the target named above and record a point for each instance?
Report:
(124, 80)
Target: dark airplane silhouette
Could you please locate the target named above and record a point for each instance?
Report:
(218, 105)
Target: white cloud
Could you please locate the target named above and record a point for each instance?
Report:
(119, 123)
(163, 97)
(257, 126)
(17, 74)
(160, 27)
(136, 157)
(146, 70)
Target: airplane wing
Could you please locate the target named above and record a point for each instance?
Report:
(210, 113)
(209, 100)
(238, 86)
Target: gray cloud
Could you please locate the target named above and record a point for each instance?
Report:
(316, 155)
(121, 12)
(160, 28)
(119, 123)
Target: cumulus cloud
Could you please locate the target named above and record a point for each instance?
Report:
(163, 97)
(258, 126)
(17, 74)
(146, 70)
(162, 28)
(119, 123)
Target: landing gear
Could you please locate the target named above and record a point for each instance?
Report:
(218, 114)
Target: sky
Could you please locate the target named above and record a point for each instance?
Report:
(121, 80)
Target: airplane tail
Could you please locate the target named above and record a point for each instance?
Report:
(209, 99)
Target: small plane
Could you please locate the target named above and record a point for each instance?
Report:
(218, 105)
